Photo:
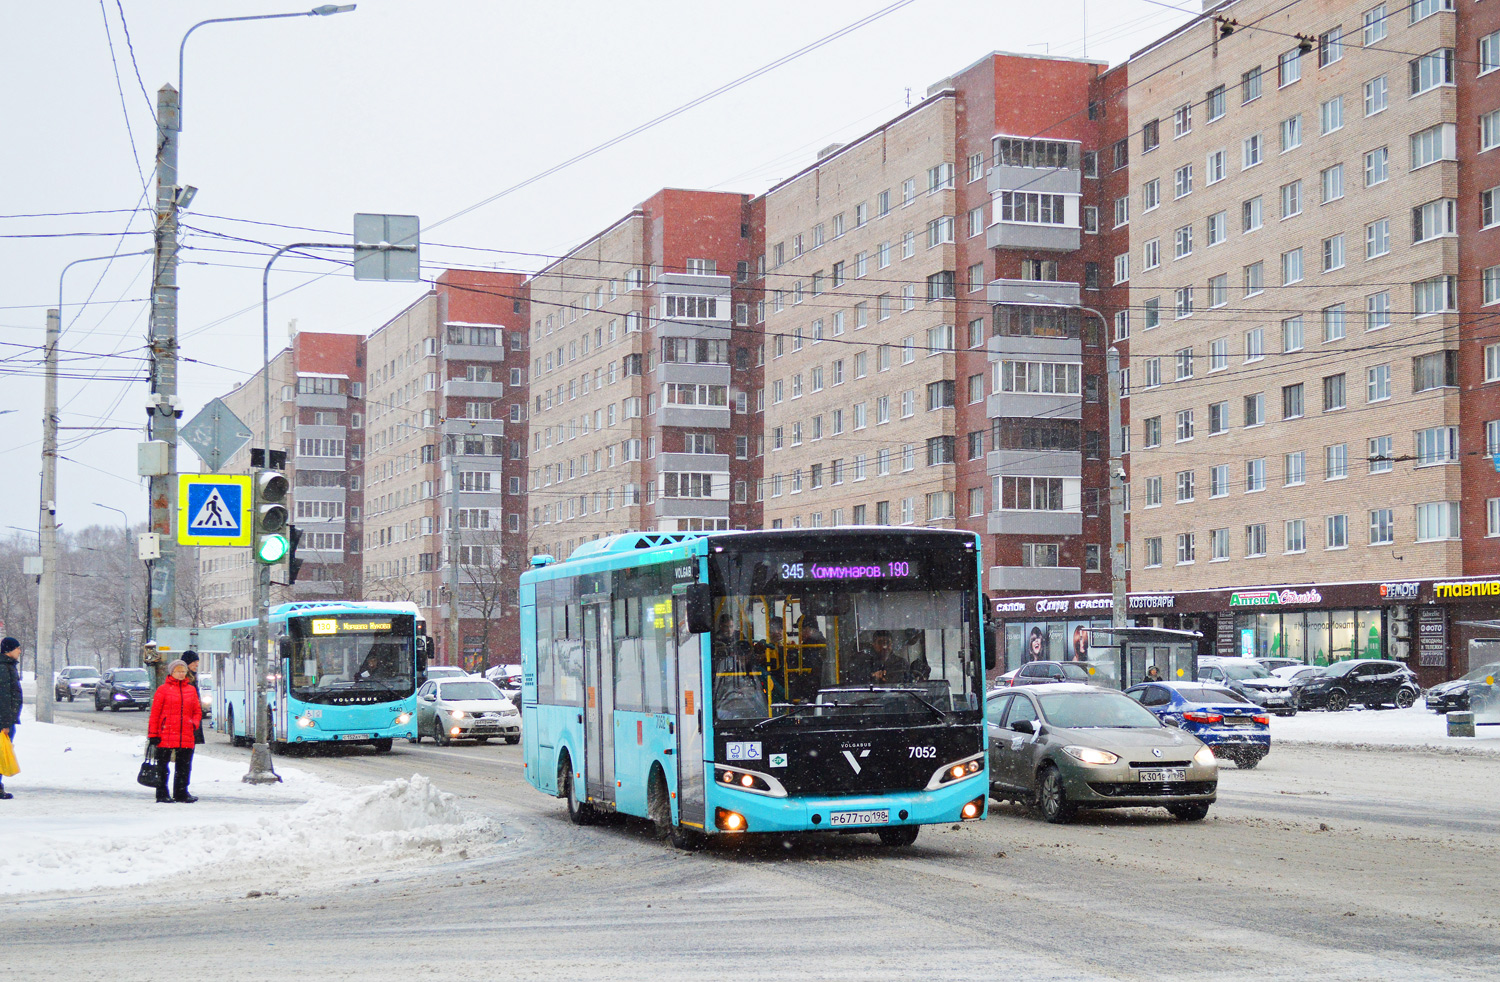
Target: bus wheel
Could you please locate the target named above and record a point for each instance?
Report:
(899, 835)
(383, 746)
(579, 812)
(659, 807)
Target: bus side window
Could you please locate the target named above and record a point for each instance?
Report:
(544, 662)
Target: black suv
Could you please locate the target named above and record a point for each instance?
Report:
(123, 687)
(1370, 681)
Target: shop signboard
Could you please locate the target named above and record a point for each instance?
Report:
(1432, 636)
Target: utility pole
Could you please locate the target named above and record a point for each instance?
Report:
(455, 539)
(46, 603)
(1116, 489)
(162, 407)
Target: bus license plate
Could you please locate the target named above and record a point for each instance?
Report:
(354, 736)
(1167, 774)
(878, 817)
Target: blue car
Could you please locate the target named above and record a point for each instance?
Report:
(1234, 727)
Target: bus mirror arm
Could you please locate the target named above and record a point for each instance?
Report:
(424, 645)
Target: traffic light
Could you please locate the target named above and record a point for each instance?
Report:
(293, 564)
(269, 536)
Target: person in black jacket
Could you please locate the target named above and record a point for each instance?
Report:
(10, 694)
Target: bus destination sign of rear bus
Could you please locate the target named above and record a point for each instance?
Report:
(332, 625)
(825, 571)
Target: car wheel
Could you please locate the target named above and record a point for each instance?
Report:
(98, 707)
(512, 740)
(1290, 711)
(1338, 701)
(114, 707)
(439, 737)
(1405, 699)
(1246, 762)
(1052, 797)
(71, 697)
(1195, 811)
(579, 812)
(899, 835)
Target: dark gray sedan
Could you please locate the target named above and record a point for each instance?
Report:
(1067, 746)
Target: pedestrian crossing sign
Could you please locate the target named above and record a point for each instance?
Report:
(213, 510)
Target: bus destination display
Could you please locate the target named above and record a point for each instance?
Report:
(841, 570)
(333, 625)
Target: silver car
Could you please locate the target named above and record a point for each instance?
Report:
(465, 709)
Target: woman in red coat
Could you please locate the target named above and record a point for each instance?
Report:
(176, 712)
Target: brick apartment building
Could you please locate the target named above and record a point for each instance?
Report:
(445, 459)
(643, 374)
(317, 407)
(929, 360)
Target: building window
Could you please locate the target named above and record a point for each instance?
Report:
(1331, 115)
(1377, 238)
(1330, 46)
(1437, 520)
(1437, 445)
(1289, 67)
(1255, 541)
(1382, 527)
(1153, 551)
(1436, 295)
(1295, 466)
(1291, 133)
(1375, 95)
(1377, 383)
(1336, 462)
(1255, 475)
(1334, 392)
(1431, 70)
(1250, 85)
(1381, 461)
(1336, 528)
(1251, 214)
(1296, 535)
(1291, 401)
(1187, 550)
(1434, 219)
(1250, 155)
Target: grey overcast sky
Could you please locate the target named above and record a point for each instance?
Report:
(401, 106)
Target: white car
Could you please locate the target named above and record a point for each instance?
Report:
(1293, 672)
(445, 672)
(465, 709)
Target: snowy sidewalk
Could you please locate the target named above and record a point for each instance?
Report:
(79, 821)
(1394, 728)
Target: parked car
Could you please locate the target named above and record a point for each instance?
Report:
(1235, 727)
(445, 672)
(1298, 671)
(123, 688)
(507, 679)
(75, 681)
(1272, 664)
(206, 690)
(1372, 681)
(1039, 672)
(1476, 691)
(1065, 746)
(1250, 679)
(465, 709)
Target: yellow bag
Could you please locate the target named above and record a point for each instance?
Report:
(9, 767)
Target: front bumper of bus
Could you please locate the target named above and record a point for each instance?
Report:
(847, 813)
(310, 729)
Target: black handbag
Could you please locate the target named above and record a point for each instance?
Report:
(148, 776)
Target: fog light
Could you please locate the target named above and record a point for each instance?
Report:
(729, 821)
(455, 731)
(973, 809)
(970, 810)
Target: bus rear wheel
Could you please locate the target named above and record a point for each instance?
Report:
(383, 746)
(899, 835)
(579, 812)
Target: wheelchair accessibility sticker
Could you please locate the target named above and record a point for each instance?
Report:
(742, 751)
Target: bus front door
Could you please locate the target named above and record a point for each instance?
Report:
(690, 762)
(598, 711)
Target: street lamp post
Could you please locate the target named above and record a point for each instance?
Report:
(170, 200)
(129, 603)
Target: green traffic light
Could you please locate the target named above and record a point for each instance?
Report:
(272, 549)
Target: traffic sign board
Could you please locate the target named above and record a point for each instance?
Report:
(215, 434)
(213, 511)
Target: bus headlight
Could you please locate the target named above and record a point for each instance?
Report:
(403, 719)
(956, 771)
(457, 713)
(304, 721)
(743, 780)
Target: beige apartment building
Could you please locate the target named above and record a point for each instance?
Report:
(860, 331)
(445, 463)
(317, 411)
(1294, 365)
(642, 376)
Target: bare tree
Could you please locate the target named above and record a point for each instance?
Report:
(485, 566)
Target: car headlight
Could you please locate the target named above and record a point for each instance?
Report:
(1204, 756)
(1091, 755)
(457, 713)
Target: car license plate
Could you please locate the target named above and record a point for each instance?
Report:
(354, 736)
(877, 817)
(1164, 774)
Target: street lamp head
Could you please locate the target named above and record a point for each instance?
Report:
(184, 195)
(331, 8)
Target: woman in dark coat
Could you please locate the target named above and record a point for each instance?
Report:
(10, 694)
(176, 711)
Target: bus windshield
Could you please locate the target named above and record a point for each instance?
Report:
(341, 655)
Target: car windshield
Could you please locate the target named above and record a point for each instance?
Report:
(472, 689)
(1075, 672)
(361, 662)
(131, 675)
(1209, 693)
(1483, 672)
(83, 673)
(1340, 669)
(1080, 710)
(1247, 671)
(446, 672)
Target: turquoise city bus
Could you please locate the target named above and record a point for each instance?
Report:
(769, 681)
(341, 671)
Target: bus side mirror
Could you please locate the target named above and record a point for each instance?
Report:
(284, 649)
(700, 608)
(424, 645)
(991, 644)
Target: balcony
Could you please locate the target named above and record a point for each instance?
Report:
(1036, 579)
(1035, 523)
(692, 507)
(321, 400)
(473, 427)
(1034, 463)
(457, 388)
(1003, 346)
(1025, 404)
(701, 417)
(1024, 235)
(474, 352)
(1043, 292)
(1043, 180)
(693, 372)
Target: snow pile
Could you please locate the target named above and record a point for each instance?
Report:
(1413, 727)
(79, 821)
